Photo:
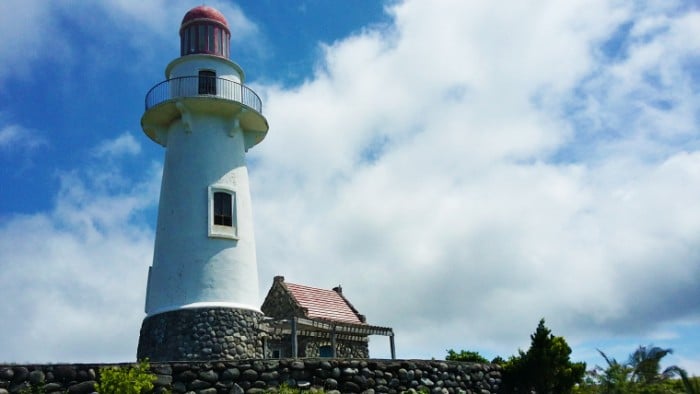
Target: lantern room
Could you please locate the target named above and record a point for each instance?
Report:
(205, 30)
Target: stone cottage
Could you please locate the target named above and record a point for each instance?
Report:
(304, 321)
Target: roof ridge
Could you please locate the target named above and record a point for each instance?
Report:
(308, 287)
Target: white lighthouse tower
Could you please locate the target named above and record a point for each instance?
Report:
(202, 293)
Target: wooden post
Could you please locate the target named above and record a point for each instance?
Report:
(333, 342)
(295, 349)
(393, 348)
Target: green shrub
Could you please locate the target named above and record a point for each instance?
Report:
(421, 390)
(136, 379)
(466, 356)
(33, 389)
(285, 389)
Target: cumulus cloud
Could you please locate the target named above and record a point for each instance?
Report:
(124, 144)
(62, 32)
(644, 101)
(23, 45)
(14, 137)
(19, 147)
(74, 277)
(474, 167)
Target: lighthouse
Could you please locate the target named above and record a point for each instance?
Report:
(202, 291)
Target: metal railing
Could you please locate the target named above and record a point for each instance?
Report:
(202, 86)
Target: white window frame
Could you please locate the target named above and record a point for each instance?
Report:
(219, 231)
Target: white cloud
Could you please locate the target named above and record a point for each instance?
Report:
(644, 103)
(125, 144)
(63, 32)
(14, 137)
(478, 166)
(74, 277)
(24, 45)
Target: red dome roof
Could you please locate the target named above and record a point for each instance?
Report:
(204, 12)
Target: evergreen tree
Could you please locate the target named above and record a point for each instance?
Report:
(545, 368)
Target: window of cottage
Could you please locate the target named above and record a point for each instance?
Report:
(325, 351)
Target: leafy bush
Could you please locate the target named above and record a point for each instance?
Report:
(32, 389)
(136, 379)
(466, 356)
(285, 389)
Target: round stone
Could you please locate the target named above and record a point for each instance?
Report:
(187, 376)
(349, 371)
(230, 374)
(82, 387)
(269, 376)
(209, 376)
(199, 384)
(350, 387)
(36, 378)
(330, 383)
(249, 375)
(179, 387)
(6, 373)
(20, 374)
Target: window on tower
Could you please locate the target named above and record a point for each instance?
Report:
(210, 38)
(223, 209)
(207, 82)
(222, 213)
(191, 34)
(204, 38)
(219, 49)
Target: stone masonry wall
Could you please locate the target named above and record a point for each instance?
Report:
(344, 348)
(201, 334)
(335, 376)
(310, 347)
(279, 304)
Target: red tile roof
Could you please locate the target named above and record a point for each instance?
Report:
(323, 304)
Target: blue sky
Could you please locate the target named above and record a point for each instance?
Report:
(462, 168)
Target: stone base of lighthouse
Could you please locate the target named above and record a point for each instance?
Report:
(201, 334)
